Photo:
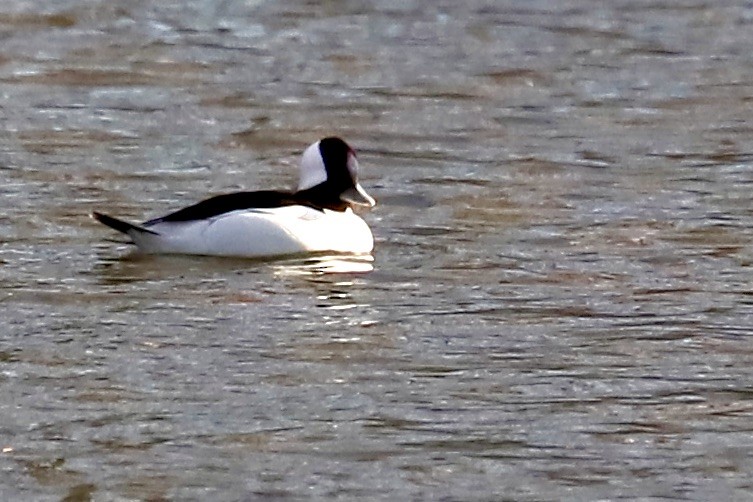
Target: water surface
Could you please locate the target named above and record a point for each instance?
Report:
(560, 301)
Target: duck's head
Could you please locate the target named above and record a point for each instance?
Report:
(330, 166)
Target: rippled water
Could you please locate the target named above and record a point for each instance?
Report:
(561, 300)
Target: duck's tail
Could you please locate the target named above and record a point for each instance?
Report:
(121, 226)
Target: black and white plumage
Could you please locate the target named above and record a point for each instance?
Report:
(317, 217)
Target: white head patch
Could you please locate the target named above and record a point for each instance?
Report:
(312, 170)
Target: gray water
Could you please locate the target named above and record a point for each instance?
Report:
(561, 300)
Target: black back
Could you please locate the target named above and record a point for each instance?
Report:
(227, 203)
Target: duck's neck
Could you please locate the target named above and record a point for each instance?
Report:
(321, 197)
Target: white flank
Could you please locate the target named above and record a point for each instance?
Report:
(261, 232)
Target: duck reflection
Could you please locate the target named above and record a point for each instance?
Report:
(327, 264)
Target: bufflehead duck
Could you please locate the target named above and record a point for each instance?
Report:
(318, 217)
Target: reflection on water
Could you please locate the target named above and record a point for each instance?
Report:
(318, 265)
(133, 266)
(558, 305)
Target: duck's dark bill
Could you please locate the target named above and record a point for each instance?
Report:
(358, 196)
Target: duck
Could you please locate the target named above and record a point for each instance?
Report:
(318, 217)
